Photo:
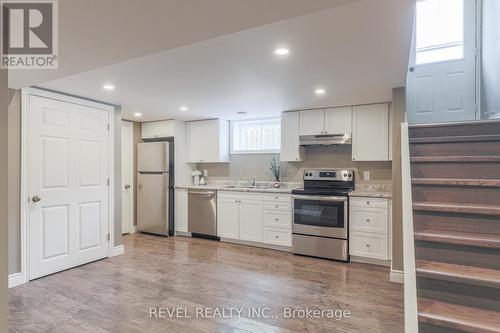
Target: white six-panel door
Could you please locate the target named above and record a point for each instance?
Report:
(68, 170)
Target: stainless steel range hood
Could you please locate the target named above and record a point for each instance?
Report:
(325, 140)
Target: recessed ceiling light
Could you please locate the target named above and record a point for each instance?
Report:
(108, 86)
(183, 108)
(242, 113)
(138, 114)
(320, 91)
(281, 51)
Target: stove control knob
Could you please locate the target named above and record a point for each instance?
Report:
(350, 175)
(345, 174)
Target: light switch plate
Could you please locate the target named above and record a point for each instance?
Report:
(366, 175)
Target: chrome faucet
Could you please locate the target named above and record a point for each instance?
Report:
(252, 181)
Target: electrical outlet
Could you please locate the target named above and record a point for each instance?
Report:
(366, 175)
(205, 173)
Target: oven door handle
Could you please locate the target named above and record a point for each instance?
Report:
(320, 198)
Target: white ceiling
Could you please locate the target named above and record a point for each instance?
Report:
(357, 52)
(97, 33)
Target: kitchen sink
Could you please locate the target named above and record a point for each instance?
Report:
(260, 186)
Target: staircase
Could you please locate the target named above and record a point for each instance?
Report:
(455, 170)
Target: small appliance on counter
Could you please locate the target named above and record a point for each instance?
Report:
(203, 181)
(321, 214)
(196, 177)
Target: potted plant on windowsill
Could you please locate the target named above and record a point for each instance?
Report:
(275, 169)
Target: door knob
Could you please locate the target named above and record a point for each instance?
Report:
(127, 186)
(411, 69)
(36, 198)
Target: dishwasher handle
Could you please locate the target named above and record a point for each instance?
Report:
(206, 193)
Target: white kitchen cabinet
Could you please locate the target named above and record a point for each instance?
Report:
(227, 217)
(369, 228)
(370, 137)
(326, 121)
(312, 122)
(338, 120)
(157, 129)
(254, 217)
(290, 132)
(208, 141)
(181, 210)
(250, 220)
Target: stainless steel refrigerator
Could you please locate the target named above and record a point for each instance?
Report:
(155, 188)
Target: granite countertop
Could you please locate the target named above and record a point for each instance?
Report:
(372, 191)
(234, 187)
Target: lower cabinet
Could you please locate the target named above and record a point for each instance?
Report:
(227, 217)
(181, 210)
(250, 219)
(254, 217)
(369, 229)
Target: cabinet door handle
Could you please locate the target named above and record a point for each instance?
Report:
(276, 236)
(367, 245)
(367, 220)
(276, 219)
(368, 202)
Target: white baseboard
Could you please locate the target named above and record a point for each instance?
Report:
(397, 276)
(118, 251)
(15, 280)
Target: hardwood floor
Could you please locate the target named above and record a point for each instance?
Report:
(116, 294)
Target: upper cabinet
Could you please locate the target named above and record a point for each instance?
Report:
(326, 121)
(370, 139)
(290, 147)
(157, 129)
(208, 141)
(338, 120)
(312, 122)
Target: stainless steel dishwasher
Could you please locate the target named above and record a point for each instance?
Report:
(202, 213)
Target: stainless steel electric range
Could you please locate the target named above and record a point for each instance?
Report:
(321, 214)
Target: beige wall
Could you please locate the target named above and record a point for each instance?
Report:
(137, 139)
(118, 176)
(257, 166)
(14, 184)
(398, 105)
(4, 97)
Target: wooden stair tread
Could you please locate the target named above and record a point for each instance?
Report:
(446, 159)
(459, 238)
(458, 317)
(463, 138)
(457, 182)
(478, 276)
(457, 208)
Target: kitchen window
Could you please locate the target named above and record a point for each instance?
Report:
(258, 136)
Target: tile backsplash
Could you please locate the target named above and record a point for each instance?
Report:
(258, 166)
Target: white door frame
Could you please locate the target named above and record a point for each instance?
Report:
(26, 93)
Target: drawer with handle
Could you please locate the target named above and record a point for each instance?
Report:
(276, 205)
(277, 197)
(370, 220)
(282, 237)
(368, 245)
(277, 219)
(368, 202)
